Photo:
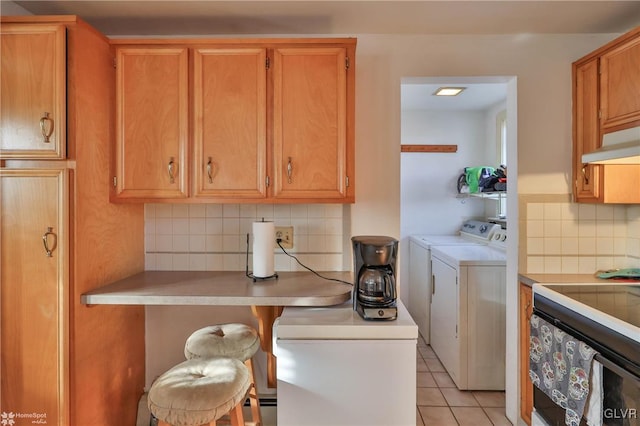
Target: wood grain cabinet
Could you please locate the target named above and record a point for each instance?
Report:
(526, 387)
(606, 98)
(152, 88)
(267, 120)
(60, 237)
(32, 105)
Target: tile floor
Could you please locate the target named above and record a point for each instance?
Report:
(440, 403)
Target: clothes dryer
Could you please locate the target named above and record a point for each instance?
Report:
(468, 312)
(472, 232)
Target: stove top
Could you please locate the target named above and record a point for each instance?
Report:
(616, 306)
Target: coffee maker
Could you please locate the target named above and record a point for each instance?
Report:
(374, 289)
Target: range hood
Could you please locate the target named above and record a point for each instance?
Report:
(621, 147)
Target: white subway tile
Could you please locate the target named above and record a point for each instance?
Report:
(604, 228)
(197, 210)
(233, 262)
(570, 229)
(150, 262)
(334, 243)
(163, 210)
(180, 226)
(214, 262)
(552, 211)
(552, 265)
(264, 211)
(604, 263)
(535, 245)
(569, 211)
(231, 210)
(316, 210)
(164, 226)
(230, 243)
(299, 211)
(552, 228)
(587, 264)
(248, 211)
(213, 210)
(282, 263)
(282, 211)
(333, 226)
(197, 262)
(213, 243)
(300, 226)
(180, 262)
(164, 243)
(179, 210)
(620, 246)
(587, 228)
(587, 212)
(213, 226)
(197, 226)
(535, 228)
(149, 211)
(150, 226)
(604, 246)
(535, 211)
(604, 212)
(535, 264)
(552, 246)
(570, 246)
(164, 262)
(587, 246)
(181, 243)
(317, 244)
(149, 242)
(197, 243)
(333, 210)
(231, 226)
(570, 265)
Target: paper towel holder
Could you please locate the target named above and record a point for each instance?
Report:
(250, 274)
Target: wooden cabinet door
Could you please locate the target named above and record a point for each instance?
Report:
(620, 84)
(230, 113)
(152, 90)
(33, 293)
(526, 387)
(33, 82)
(586, 135)
(310, 119)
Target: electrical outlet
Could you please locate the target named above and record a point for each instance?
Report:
(285, 234)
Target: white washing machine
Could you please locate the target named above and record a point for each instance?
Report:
(472, 232)
(468, 312)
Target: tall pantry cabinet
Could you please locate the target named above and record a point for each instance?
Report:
(62, 361)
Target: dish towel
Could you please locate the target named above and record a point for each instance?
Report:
(560, 366)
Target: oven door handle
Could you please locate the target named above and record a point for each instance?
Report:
(617, 369)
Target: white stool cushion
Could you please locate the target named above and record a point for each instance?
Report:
(198, 391)
(232, 340)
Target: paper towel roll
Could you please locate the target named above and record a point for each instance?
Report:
(264, 235)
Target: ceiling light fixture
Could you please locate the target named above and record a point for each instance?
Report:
(448, 91)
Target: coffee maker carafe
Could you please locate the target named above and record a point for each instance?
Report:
(374, 289)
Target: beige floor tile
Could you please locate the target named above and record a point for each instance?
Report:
(458, 398)
(489, 399)
(497, 416)
(427, 352)
(437, 416)
(471, 416)
(419, 421)
(434, 364)
(430, 397)
(421, 365)
(443, 380)
(426, 380)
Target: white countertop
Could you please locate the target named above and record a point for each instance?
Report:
(223, 288)
(341, 322)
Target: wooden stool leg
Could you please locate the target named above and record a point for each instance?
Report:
(254, 400)
(237, 418)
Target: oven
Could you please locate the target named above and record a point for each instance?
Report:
(607, 318)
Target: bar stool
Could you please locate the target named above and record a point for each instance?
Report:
(233, 340)
(199, 392)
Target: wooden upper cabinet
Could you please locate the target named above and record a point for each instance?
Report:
(152, 95)
(620, 84)
(586, 177)
(33, 87)
(229, 120)
(310, 123)
(606, 97)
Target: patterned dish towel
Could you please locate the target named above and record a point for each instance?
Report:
(560, 366)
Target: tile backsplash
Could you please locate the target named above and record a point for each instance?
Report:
(566, 237)
(213, 237)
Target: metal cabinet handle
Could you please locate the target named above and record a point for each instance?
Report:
(584, 174)
(45, 238)
(46, 127)
(171, 170)
(433, 285)
(289, 170)
(210, 170)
